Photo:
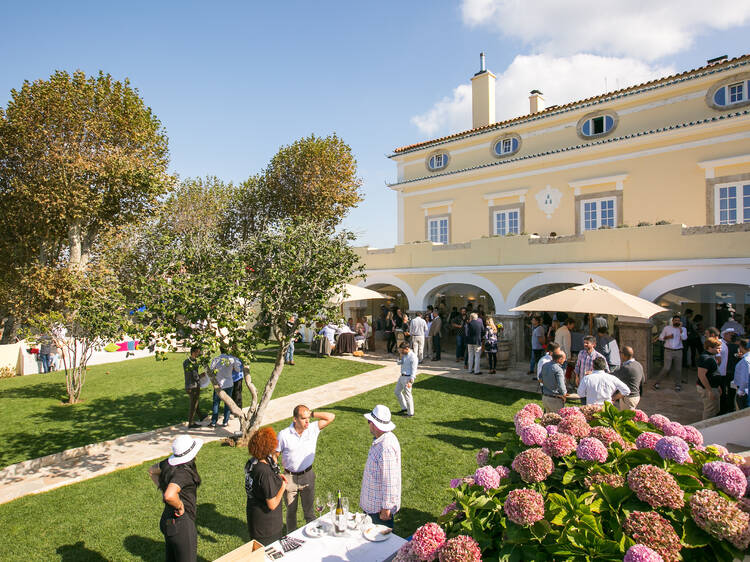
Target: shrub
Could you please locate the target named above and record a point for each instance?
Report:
(7, 372)
(589, 494)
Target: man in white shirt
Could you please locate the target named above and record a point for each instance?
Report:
(563, 337)
(599, 386)
(403, 393)
(418, 330)
(297, 445)
(223, 366)
(673, 337)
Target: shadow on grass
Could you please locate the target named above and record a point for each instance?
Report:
(78, 553)
(143, 548)
(41, 390)
(220, 524)
(349, 409)
(100, 419)
(409, 519)
(484, 429)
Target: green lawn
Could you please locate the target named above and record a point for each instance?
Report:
(115, 517)
(128, 397)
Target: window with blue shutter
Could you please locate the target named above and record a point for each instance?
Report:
(598, 125)
(720, 96)
(586, 129)
(506, 146)
(437, 161)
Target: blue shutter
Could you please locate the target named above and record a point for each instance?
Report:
(432, 162)
(720, 96)
(515, 145)
(609, 122)
(586, 129)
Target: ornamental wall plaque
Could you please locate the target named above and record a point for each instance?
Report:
(548, 200)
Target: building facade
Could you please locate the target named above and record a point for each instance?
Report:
(646, 189)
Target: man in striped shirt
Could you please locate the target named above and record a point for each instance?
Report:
(380, 497)
(585, 363)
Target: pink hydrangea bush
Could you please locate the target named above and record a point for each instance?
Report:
(727, 477)
(487, 477)
(483, 456)
(428, 539)
(591, 449)
(692, 435)
(674, 429)
(720, 518)
(640, 416)
(647, 440)
(522, 419)
(524, 506)
(534, 465)
(461, 548)
(534, 409)
(607, 435)
(569, 411)
(575, 426)
(406, 553)
(559, 445)
(533, 434)
(641, 553)
(503, 471)
(657, 420)
(652, 530)
(551, 429)
(655, 486)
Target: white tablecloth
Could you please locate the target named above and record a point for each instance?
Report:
(352, 547)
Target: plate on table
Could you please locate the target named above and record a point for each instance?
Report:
(315, 529)
(377, 533)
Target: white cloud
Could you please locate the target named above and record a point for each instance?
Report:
(562, 79)
(644, 29)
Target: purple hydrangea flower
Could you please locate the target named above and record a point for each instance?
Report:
(727, 477)
(591, 449)
(673, 448)
(482, 456)
(533, 434)
(641, 553)
(456, 482)
(503, 471)
(551, 429)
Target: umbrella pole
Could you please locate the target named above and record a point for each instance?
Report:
(591, 324)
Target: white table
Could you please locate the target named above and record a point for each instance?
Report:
(351, 547)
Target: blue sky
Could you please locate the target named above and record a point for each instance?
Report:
(233, 81)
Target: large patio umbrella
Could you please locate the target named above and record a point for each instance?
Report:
(593, 298)
(356, 293)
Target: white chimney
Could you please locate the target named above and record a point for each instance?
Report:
(482, 96)
(536, 102)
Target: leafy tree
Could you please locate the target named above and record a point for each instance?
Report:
(79, 157)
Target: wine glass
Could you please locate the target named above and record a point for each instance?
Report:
(330, 503)
(319, 505)
(345, 504)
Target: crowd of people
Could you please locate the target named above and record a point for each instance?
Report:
(270, 484)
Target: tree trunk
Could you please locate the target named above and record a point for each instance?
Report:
(257, 418)
(243, 416)
(10, 328)
(75, 362)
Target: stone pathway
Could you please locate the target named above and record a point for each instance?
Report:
(75, 465)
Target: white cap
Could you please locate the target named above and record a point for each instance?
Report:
(381, 417)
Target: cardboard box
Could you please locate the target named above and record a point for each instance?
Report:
(252, 551)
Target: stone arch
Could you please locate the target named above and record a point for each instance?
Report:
(707, 276)
(550, 278)
(463, 278)
(389, 279)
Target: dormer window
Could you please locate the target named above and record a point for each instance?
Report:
(437, 161)
(730, 93)
(592, 126)
(505, 146)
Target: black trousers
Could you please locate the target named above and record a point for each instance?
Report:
(492, 358)
(237, 393)
(391, 340)
(436, 349)
(181, 538)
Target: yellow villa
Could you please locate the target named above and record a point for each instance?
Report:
(645, 189)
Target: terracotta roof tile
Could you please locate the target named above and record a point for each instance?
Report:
(715, 67)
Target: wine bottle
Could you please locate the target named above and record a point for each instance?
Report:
(340, 519)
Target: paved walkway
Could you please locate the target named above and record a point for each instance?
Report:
(75, 465)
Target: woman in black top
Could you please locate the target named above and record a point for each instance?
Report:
(709, 380)
(177, 478)
(264, 486)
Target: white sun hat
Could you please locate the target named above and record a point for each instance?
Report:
(184, 449)
(381, 417)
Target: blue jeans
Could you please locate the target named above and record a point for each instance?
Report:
(536, 355)
(376, 520)
(460, 351)
(45, 359)
(215, 407)
(289, 355)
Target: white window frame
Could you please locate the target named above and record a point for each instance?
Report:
(743, 92)
(438, 221)
(598, 202)
(442, 156)
(739, 198)
(507, 213)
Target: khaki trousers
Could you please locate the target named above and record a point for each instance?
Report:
(552, 403)
(710, 399)
(628, 402)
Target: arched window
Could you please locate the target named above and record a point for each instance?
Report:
(598, 125)
(732, 94)
(507, 145)
(437, 161)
